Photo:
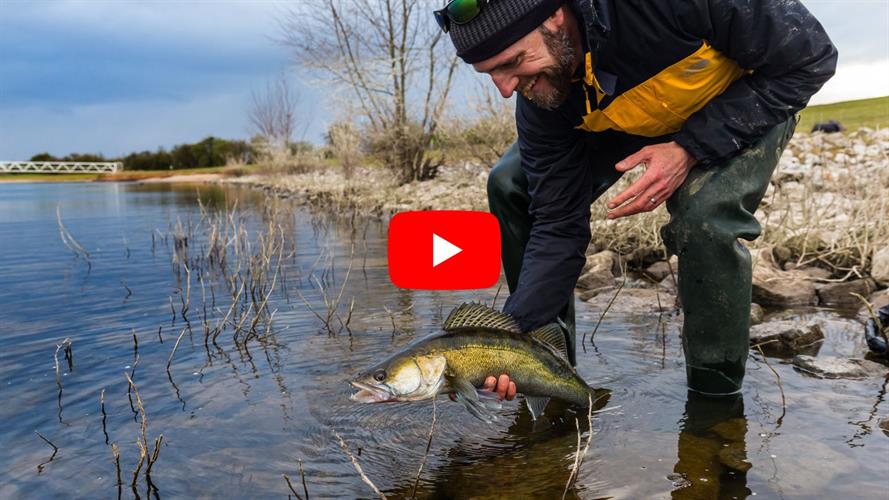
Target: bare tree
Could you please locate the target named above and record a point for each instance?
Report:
(272, 113)
(393, 60)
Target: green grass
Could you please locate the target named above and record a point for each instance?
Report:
(34, 177)
(131, 175)
(871, 113)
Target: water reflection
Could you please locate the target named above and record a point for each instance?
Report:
(712, 449)
(237, 411)
(526, 458)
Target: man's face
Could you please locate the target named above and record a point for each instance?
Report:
(540, 66)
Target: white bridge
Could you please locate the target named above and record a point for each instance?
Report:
(59, 167)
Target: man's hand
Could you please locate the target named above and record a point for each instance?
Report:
(666, 167)
(504, 387)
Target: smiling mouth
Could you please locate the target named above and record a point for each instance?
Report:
(370, 394)
(526, 89)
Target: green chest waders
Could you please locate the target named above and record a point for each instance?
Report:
(712, 209)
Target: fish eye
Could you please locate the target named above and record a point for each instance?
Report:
(380, 375)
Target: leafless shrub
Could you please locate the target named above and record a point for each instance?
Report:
(484, 132)
(392, 61)
(345, 144)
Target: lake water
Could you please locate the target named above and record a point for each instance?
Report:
(238, 414)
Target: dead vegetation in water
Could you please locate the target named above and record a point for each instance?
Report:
(65, 347)
(302, 475)
(147, 456)
(357, 466)
(70, 242)
(237, 271)
(55, 451)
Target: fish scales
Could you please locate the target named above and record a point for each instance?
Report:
(535, 370)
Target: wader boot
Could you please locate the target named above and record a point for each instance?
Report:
(712, 209)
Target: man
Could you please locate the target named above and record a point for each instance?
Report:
(701, 94)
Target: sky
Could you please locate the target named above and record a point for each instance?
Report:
(117, 76)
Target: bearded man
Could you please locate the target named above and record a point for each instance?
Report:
(701, 94)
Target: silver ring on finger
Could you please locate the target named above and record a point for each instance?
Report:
(653, 200)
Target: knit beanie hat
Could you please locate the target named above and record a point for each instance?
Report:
(499, 24)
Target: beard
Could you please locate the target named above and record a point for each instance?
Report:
(558, 75)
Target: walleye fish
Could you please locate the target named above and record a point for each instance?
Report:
(477, 342)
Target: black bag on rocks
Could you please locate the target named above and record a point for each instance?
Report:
(874, 332)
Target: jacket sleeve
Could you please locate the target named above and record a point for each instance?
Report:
(559, 182)
(789, 57)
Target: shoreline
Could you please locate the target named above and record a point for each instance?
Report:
(173, 176)
(825, 198)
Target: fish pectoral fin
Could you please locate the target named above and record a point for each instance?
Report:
(477, 409)
(490, 399)
(478, 404)
(536, 405)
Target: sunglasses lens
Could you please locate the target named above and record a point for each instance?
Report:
(463, 11)
(441, 18)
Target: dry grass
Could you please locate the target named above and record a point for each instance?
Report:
(828, 203)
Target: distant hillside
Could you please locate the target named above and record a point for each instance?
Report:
(871, 113)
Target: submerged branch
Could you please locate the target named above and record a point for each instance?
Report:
(357, 465)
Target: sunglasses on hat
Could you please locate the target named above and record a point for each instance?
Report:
(458, 12)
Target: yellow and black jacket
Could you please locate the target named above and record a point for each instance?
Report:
(712, 75)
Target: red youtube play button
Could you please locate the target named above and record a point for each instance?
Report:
(444, 250)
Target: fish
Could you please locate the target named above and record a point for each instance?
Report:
(476, 342)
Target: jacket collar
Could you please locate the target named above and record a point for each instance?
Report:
(595, 23)
(595, 17)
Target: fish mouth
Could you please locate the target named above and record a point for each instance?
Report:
(371, 394)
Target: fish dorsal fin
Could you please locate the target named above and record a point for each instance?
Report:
(474, 315)
(553, 336)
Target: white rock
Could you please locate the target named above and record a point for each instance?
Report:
(880, 266)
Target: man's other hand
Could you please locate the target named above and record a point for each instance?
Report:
(503, 386)
(666, 167)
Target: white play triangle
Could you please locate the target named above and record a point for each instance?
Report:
(442, 250)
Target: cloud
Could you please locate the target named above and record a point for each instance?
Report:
(115, 77)
(75, 53)
(855, 81)
(859, 28)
